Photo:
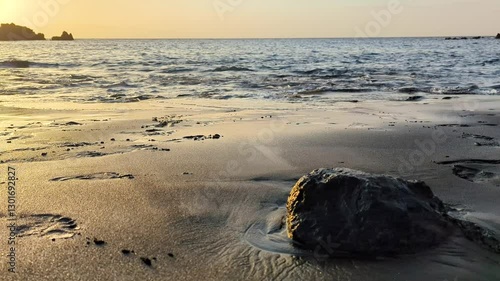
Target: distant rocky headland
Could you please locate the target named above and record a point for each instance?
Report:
(64, 36)
(13, 32)
(463, 38)
(468, 38)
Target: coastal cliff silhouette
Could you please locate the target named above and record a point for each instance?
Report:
(12, 32)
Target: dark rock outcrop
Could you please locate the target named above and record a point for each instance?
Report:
(463, 38)
(456, 38)
(414, 98)
(498, 36)
(64, 37)
(363, 214)
(12, 32)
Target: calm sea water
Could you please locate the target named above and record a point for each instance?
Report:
(296, 70)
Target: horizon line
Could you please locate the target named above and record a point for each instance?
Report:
(272, 38)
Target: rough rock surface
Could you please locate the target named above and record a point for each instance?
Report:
(498, 36)
(360, 213)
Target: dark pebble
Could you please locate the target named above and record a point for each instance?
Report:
(44, 154)
(171, 255)
(112, 139)
(146, 261)
(216, 136)
(99, 242)
(126, 252)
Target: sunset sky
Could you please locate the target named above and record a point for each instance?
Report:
(254, 18)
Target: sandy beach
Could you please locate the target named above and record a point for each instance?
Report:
(185, 189)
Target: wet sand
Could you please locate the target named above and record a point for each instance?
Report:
(189, 189)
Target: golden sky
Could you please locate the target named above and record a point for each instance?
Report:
(254, 18)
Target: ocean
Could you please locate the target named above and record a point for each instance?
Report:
(298, 70)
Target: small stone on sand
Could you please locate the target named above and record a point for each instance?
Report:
(146, 261)
(99, 242)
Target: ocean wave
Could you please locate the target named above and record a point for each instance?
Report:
(177, 70)
(309, 72)
(15, 64)
(123, 84)
(492, 61)
(325, 73)
(410, 90)
(25, 64)
(123, 98)
(45, 65)
(489, 91)
(352, 90)
(316, 91)
(81, 77)
(335, 89)
(230, 68)
(471, 90)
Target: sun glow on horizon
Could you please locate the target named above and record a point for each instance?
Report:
(252, 18)
(9, 11)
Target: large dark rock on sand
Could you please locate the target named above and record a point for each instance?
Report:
(64, 37)
(357, 213)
